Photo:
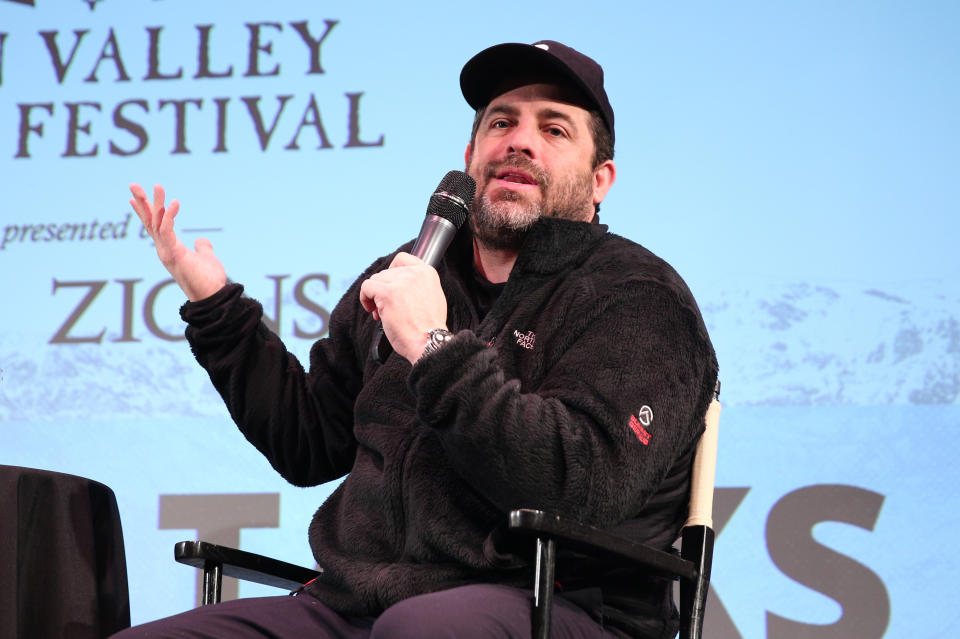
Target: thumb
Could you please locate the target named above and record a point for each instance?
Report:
(203, 246)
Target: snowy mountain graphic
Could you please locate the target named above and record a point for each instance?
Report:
(778, 345)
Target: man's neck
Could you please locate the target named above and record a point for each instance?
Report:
(493, 264)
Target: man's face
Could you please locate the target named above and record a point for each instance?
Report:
(532, 157)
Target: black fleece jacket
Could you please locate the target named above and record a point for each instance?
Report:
(537, 405)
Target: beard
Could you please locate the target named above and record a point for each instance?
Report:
(504, 222)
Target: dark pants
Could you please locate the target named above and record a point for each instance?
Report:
(480, 610)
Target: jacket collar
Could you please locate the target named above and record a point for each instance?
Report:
(549, 246)
(552, 244)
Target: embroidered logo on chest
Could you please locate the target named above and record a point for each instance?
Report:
(526, 340)
(640, 422)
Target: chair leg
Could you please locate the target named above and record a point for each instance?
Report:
(697, 546)
(543, 587)
(212, 582)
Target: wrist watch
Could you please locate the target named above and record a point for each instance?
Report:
(436, 339)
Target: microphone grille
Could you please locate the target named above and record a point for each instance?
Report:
(453, 198)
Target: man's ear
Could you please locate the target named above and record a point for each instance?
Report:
(603, 178)
(466, 156)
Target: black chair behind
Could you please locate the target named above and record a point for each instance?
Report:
(63, 567)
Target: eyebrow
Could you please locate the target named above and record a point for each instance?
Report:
(544, 113)
(553, 114)
(502, 109)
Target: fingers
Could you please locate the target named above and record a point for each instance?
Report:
(405, 259)
(409, 300)
(165, 223)
(140, 205)
(157, 211)
(150, 214)
(155, 218)
(137, 191)
(368, 294)
(158, 195)
(133, 205)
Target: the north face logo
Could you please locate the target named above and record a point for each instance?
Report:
(640, 421)
(525, 340)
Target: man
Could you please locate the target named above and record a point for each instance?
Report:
(519, 366)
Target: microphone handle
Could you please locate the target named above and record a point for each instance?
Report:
(435, 235)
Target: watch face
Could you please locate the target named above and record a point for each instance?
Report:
(438, 337)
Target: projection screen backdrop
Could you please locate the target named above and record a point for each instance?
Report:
(796, 162)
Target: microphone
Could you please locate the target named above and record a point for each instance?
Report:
(446, 213)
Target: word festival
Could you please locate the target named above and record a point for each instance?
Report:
(88, 127)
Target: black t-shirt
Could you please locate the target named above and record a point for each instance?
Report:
(484, 293)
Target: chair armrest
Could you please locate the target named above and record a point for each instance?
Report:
(589, 540)
(244, 565)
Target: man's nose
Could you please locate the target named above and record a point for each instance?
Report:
(522, 140)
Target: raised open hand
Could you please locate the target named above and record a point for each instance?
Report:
(198, 272)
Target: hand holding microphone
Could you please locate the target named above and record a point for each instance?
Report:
(407, 297)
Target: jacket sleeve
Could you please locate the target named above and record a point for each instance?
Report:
(302, 422)
(627, 385)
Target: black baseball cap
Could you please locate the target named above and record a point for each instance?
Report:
(483, 74)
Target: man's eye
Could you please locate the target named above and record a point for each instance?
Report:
(499, 124)
(556, 131)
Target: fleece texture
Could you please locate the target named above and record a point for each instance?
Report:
(582, 391)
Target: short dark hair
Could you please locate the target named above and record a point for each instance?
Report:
(602, 140)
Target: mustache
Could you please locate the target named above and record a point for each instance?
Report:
(521, 162)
